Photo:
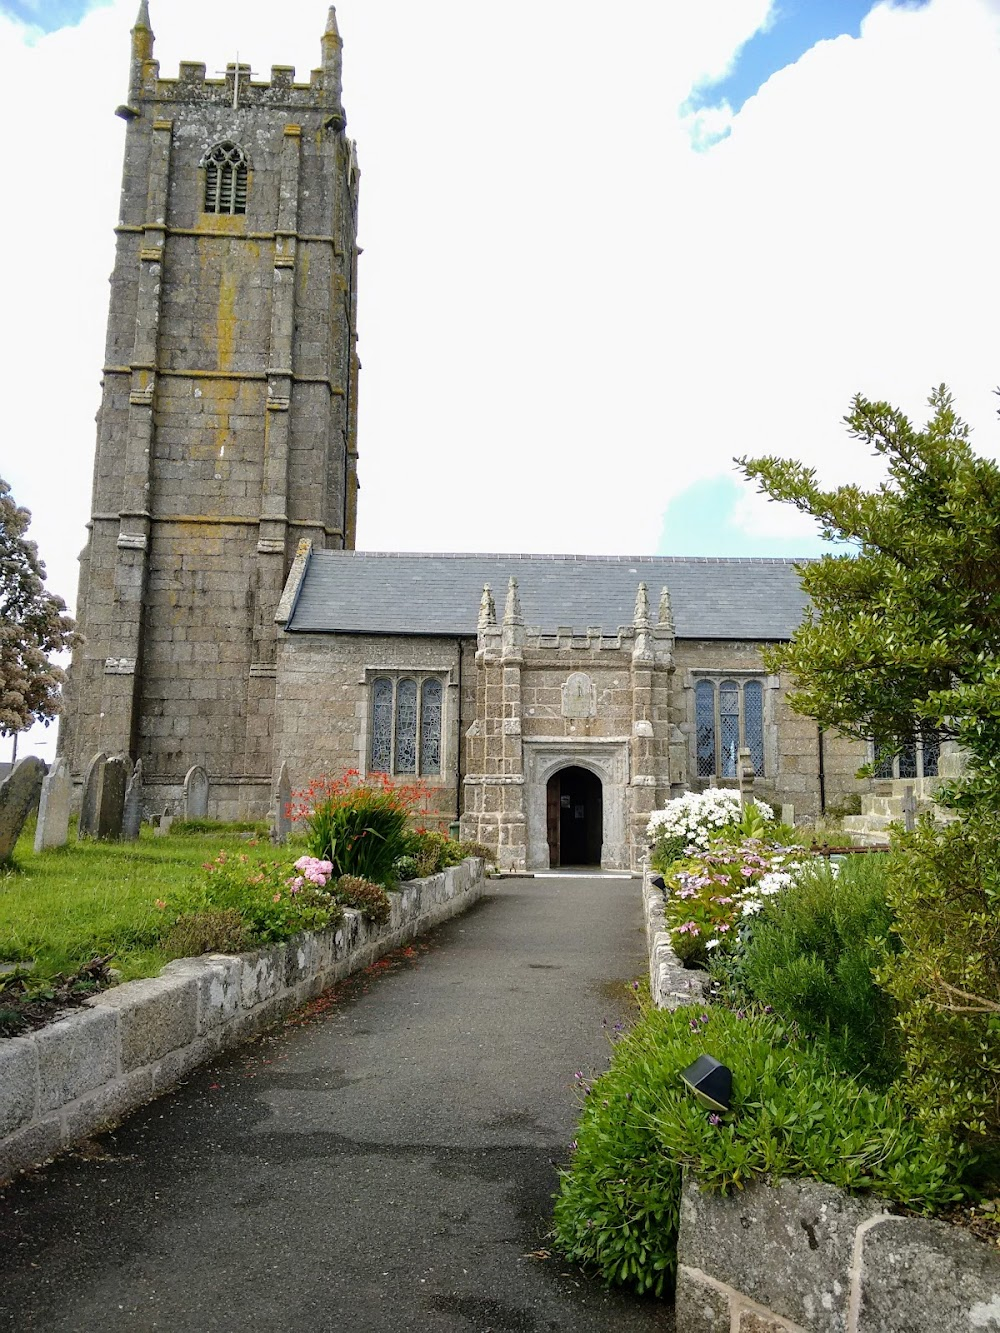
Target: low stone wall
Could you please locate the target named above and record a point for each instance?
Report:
(802, 1257)
(89, 1070)
(670, 983)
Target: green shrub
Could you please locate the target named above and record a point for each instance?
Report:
(212, 930)
(358, 824)
(811, 955)
(371, 900)
(428, 852)
(945, 891)
(792, 1115)
(272, 902)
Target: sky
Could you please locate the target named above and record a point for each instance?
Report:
(606, 250)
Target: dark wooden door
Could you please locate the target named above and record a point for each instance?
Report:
(552, 819)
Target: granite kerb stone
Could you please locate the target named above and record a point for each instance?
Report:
(798, 1255)
(89, 1070)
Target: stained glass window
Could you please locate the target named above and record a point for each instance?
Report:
(916, 757)
(406, 726)
(430, 726)
(729, 726)
(930, 752)
(381, 749)
(753, 722)
(704, 721)
(726, 718)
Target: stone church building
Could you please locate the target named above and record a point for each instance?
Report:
(549, 702)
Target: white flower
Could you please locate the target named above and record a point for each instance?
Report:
(751, 908)
(711, 944)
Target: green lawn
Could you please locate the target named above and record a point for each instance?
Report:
(62, 907)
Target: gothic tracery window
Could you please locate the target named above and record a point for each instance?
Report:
(226, 172)
(916, 757)
(406, 717)
(728, 717)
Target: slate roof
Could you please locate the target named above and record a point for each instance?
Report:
(376, 592)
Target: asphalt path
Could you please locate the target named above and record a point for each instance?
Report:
(383, 1160)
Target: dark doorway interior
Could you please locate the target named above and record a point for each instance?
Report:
(575, 807)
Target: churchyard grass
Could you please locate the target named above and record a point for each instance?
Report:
(61, 908)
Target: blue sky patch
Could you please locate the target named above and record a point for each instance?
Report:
(699, 521)
(796, 26)
(48, 15)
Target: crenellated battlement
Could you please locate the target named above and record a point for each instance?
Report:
(239, 86)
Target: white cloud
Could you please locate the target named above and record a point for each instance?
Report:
(568, 315)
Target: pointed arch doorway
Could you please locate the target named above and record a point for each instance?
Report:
(574, 802)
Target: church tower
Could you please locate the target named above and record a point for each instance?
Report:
(227, 427)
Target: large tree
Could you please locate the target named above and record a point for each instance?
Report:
(904, 624)
(33, 626)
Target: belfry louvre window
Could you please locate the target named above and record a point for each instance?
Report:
(729, 716)
(225, 179)
(406, 717)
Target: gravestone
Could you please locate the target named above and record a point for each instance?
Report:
(163, 825)
(788, 815)
(132, 813)
(196, 793)
(281, 825)
(909, 808)
(111, 800)
(53, 809)
(92, 778)
(18, 797)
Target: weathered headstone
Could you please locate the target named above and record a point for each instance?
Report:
(281, 825)
(92, 779)
(53, 809)
(196, 793)
(111, 800)
(163, 825)
(909, 807)
(132, 813)
(18, 797)
(788, 815)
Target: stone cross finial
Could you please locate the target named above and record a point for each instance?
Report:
(487, 609)
(641, 618)
(142, 21)
(331, 23)
(666, 615)
(512, 610)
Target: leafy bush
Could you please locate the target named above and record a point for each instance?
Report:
(428, 852)
(811, 955)
(692, 820)
(271, 903)
(357, 824)
(945, 892)
(618, 1205)
(211, 930)
(371, 900)
(709, 896)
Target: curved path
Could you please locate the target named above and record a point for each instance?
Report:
(381, 1161)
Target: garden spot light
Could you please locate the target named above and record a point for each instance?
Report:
(658, 883)
(710, 1081)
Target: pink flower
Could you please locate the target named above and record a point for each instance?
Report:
(277, 898)
(688, 928)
